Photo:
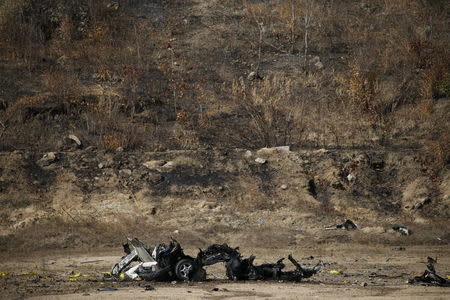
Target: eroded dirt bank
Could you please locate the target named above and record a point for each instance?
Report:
(87, 198)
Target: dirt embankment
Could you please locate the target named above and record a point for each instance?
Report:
(86, 198)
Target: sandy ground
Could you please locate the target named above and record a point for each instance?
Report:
(366, 272)
(264, 291)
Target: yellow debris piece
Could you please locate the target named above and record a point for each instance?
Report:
(26, 273)
(447, 276)
(3, 273)
(76, 275)
(122, 276)
(73, 279)
(335, 272)
(138, 278)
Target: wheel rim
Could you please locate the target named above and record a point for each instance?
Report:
(184, 270)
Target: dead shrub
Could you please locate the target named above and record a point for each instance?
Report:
(437, 156)
(272, 114)
(126, 136)
(14, 111)
(424, 109)
(61, 84)
(289, 14)
(435, 78)
(113, 140)
(20, 34)
(107, 120)
(185, 138)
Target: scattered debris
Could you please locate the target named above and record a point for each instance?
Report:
(261, 221)
(26, 274)
(284, 187)
(91, 261)
(312, 189)
(335, 272)
(244, 269)
(429, 277)
(398, 249)
(347, 225)
(402, 229)
(149, 288)
(106, 289)
(215, 289)
(75, 275)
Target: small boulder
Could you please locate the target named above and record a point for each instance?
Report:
(351, 178)
(260, 160)
(253, 76)
(317, 63)
(114, 5)
(125, 172)
(47, 159)
(62, 60)
(70, 142)
(421, 203)
(75, 139)
(154, 164)
(321, 151)
(273, 150)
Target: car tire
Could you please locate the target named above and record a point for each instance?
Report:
(185, 268)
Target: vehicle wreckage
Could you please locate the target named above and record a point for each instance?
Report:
(170, 263)
(429, 277)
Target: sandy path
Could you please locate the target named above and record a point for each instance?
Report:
(265, 291)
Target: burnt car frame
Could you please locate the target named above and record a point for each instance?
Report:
(168, 263)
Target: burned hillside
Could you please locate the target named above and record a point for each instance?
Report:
(258, 123)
